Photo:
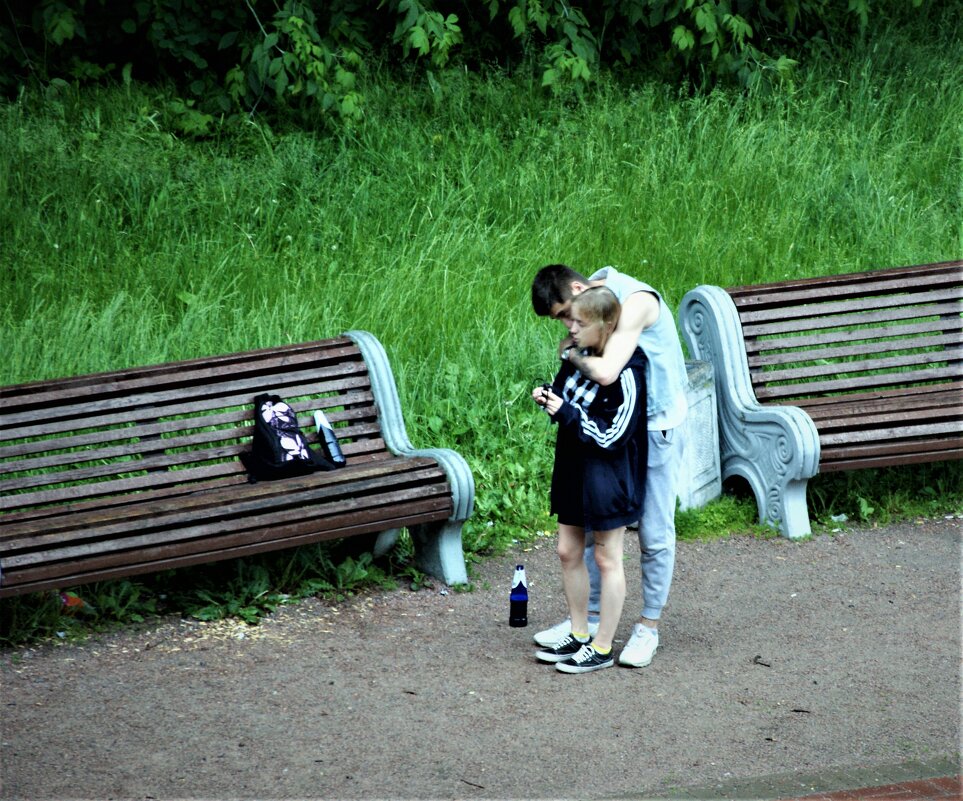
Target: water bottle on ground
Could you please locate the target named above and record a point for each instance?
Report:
(328, 439)
(518, 600)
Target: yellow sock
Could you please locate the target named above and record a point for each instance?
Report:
(603, 651)
(581, 637)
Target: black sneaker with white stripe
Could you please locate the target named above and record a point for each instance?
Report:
(585, 661)
(563, 649)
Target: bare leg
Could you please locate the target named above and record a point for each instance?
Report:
(571, 546)
(608, 556)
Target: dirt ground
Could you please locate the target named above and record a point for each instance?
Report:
(837, 652)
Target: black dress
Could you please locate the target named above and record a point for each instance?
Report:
(598, 481)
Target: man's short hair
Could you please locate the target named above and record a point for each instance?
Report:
(553, 284)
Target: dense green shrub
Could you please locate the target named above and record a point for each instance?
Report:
(310, 57)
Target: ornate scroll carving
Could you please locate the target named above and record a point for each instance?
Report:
(774, 448)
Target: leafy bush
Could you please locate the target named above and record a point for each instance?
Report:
(310, 58)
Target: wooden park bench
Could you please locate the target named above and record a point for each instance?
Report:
(130, 472)
(835, 373)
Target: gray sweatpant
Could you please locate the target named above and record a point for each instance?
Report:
(657, 527)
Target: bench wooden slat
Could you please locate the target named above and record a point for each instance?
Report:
(124, 484)
(161, 466)
(939, 274)
(140, 444)
(155, 480)
(255, 542)
(932, 396)
(160, 463)
(174, 529)
(842, 367)
(256, 355)
(855, 459)
(883, 398)
(889, 434)
(920, 301)
(779, 352)
(126, 414)
(230, 538)
(105, 437)
(760, 344)
(147, 506)
(849, 420)
(880, 452)
(853, 384)
(935, 398)
(805, 324)
(361, 405)
(227, 393)
(236, 478)
(193, 372)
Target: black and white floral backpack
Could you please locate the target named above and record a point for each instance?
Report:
(279, 449)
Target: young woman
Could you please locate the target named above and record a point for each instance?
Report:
(597, 480)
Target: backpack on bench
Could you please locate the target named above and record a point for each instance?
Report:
(279, 449)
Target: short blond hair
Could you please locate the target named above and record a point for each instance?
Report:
(598, 304)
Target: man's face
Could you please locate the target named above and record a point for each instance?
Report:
(563, 311)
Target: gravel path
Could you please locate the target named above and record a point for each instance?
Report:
(777, 657)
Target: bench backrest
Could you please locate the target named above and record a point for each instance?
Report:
(172, 426)
(862, 332)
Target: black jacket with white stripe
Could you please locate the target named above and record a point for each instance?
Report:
(598, 481)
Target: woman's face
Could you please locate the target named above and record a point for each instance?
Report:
(586, 333)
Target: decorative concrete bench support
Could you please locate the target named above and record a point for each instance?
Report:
(774, 448)
(701, 477)
(438, 545)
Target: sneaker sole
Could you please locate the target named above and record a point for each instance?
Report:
(629, 663)
(548, 658)
(563, 668)
(544, 640)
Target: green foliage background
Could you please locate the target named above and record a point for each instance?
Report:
(315, 59)
(124, 242)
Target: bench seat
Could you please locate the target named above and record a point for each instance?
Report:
(881, 429)
(836, 373)
(135, 471)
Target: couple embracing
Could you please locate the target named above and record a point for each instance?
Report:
(619, 400)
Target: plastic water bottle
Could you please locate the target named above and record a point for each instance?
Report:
(328, 439)
(518, 600)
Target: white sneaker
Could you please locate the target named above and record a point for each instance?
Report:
(550, 637)
(640, 648)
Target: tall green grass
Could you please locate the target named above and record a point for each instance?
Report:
(121, 244)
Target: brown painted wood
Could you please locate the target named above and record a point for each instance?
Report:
(131, 471)
(939, 273)
(18, 583)
(869, 381)
(875, 358)
(144, 509)
(783, 325)
(192, 536)
(784, 353)
(813, 305)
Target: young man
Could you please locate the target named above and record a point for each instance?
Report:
(645, 322)
(597, 479)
